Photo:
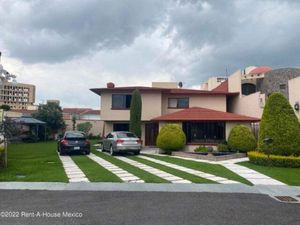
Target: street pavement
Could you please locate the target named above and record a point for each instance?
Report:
(143, 208)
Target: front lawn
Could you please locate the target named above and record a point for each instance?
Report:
(217, 170)
(33, 162)
(290, 176)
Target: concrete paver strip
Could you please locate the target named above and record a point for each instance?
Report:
(191, 171)
(154, 171)
(74, 173)
(122, 174)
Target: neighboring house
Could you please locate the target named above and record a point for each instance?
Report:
(255, 84)
(83, 115)
(202, 114)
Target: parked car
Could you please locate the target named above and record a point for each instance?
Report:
(73, 141)
(121, 141)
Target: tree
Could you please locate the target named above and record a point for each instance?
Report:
(84, 127)
(135, 113)
(74, 121)
(241, 139)
(51, 113)
(279, 123)
(171, 138)
(5, 107)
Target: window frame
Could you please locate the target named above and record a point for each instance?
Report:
(126, 97)
(177, 105)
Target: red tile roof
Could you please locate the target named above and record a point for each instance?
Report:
(177, 91)
(223, 87)
(76, 110)
(203, 114)
(260, 69)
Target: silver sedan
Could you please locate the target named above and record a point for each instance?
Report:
(121, 141)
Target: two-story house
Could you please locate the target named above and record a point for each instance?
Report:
(202, 114)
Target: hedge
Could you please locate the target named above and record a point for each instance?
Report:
(279, 123)
(273, 160)
(171, 138)
(241, 139)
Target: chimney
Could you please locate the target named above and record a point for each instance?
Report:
(110, 85)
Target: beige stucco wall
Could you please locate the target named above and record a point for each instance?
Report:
(294, 93)
(217, 102)
(165, 84)
(234, 82)
(97, 128)
(151, 107)
(250, 105)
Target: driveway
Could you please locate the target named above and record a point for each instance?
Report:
(136, 208)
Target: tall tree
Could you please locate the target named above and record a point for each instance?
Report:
(51, 113)
(136, 113)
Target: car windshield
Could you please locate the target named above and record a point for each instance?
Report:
(126, 135)
(75, 135)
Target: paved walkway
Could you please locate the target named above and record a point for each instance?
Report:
(198, 173)
(154, 171)
(253, 176)
(122, 174)
(74, 173)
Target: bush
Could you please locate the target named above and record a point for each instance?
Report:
(84, 127)
(202, 149)
(280, 123)
(222, 148)
(241, 139)
(171, 138)
(136, 113)
(273, 160)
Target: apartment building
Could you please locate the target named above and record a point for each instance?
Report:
(17, 95)
(202, 114)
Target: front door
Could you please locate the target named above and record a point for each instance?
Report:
(151, 132)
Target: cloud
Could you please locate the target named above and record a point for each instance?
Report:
(66, 49)
(55, 31)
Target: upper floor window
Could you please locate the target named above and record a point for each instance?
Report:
(178, 102)
(121, 101)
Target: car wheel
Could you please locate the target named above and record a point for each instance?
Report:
(101, 148)
(136, 152)
(87, 153)
(61, 152)
(111, 151)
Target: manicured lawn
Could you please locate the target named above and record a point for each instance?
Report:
(147, 177)
(217, 170)
(93, 171)
(33, 162)
(187, 176)
(290, 176)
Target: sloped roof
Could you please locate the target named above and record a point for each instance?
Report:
(223, 87)
(76, 110)
(27, 120)
(203, 114)
(260, 69)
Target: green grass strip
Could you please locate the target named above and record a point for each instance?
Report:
(178, 173)
(33, 162)
(93, 171)
(290, 176)
(217, 170)
(147, 177)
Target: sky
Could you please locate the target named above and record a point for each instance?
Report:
(66, 47)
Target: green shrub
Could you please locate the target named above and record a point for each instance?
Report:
(260, 158)
(241, 139)
(202, 149)
(280, 123)
(136, 113)
(171, 138)
(222, 148)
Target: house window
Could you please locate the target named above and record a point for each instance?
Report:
(121, 127)
(178, 102)
(121, 101)
(204, 132)
(282, 86)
